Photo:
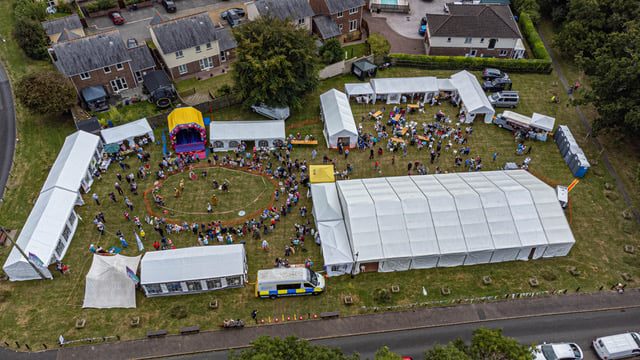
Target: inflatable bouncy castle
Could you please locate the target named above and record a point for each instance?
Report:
(187, 131)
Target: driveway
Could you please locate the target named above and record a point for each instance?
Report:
(7, 129)
(407, 25)
(399, 43)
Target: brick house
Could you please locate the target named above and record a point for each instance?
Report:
(299, 12)
(192, 45)
(101, 59)
(345, 14)
(483, 30)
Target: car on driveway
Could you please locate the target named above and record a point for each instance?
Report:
(169, 6)
(238, 11)
(560, 351)
(116, 18)
(491, 73)
(233, 16)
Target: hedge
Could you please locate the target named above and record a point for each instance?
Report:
(471, 63)
(99, 5)
(532, 36)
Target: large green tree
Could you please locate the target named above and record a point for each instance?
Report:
(276, 63)
(31, 37)
(331, 51)
(491, 344)
(46, 92)
(446, 352)
(290, 348)
(380, 47)
(385, 354)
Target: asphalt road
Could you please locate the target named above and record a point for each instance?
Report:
(7, 129)
(580, 328)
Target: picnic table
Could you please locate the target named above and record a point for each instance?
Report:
(304, 142)
(376, 114)
(397, 117)
(397, 140)
(404, 130)
(423, 138)
(413, 106)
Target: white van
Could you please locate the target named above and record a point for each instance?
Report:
(619, 346)
(293, 281)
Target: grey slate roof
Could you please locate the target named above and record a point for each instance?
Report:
(68, 35)
(226, 41)
(185, 32)
(285, 9)
(326, 27)
(141, 58)
(90, 53)
(56, 26)
(335, 6)
(484, 20)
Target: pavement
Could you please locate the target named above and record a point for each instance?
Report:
(399, 43)
(8, 132)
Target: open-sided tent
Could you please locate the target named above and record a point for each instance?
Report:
(227, 135)
(326, 204)
(474, 101)
(127, 132)
(336, 250)
(361, 90)
(414, 88)
(193, 270)
(107, 284)
(187, 131)
(445, 85)
(363, 69)
(321, 174)
(339, 124)
(542, 122)
(519, 120)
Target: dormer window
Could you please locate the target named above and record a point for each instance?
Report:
(198, 49)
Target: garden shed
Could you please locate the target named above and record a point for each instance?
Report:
(193, 270)
(391, 90)
(227, 135)
(127, 133)
(339, 124)
(475, 103)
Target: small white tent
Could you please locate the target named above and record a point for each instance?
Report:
(474, 100)
(227, 135)
(127, 132)
(542, 122)
(336, 250)
(362, 90)
(339, 124)
(107, 284)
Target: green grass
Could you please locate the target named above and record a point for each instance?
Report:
(204, 86)
(356, 50)
(126, 113)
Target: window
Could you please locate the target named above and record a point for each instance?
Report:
(208, 46)
(174, 287)
(119, 84)
(467, 40)
(340, 14)
(198, 49)
(213, 284)
(153, 288)
(206, 63)
(504, 52)
(182, 69)
(139, 77)
(60, 248)
(194, 285)
(263, 143)
(301, 21)
(338, 268)
(179, 54)
(107, 69)
(66, 232)
(233, 144)
(72, 218)
(223, 56)
(353, 25)
(481, 40)
(448, 40)
(492, 43)
(278, 143)
(217, 144)
(353, 11)
(288, 286)
(234, 281)
(119, 66)
(340, 27)
(85, 76)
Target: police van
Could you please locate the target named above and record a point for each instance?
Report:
(273, 283)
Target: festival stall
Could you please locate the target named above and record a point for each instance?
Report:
(227, 135)
(392, 90)
(475, 103)
(111, 282)
(321, 174)
(363, 92)
(339, 124)
(187, 131)
(127, 133)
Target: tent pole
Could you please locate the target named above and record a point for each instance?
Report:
(3, 230)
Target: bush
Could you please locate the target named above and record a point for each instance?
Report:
(531, 7)
(331, 51)
(99, 5)
(472, 63)
(46, 92)
(31, 38)
(224, 90)
(132, 2)
(379, 46)
(382, 296)
(30, 9)
(533, 38)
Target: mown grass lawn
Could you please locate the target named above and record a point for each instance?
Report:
(356, 50)
(205, 86)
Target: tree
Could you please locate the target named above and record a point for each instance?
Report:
(491, 344)
(385, 354)
(555, 9)
(31, 37)
(331, 51)
(46, 92)
(276, 63)
(30, 9)
(447, 352)
(531, 7)
(380, 47)
(290, 348)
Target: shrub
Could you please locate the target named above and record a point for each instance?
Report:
(30, 9)
(46, 92)
(531, 7)
(531, 34)
(224, 90)
(379, 46)
(382, 296)
(31, 37)
(331, 51)
(99, 5)
(472, 63)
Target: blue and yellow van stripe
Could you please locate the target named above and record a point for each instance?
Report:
(289, 292)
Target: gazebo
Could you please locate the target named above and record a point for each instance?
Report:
(364, 69)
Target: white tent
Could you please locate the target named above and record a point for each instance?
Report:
(391, 226)
(416, 88)
(474, 100)
(552, 216)
(358, 89)
(227, 135)
(474, 223)
(453, 248)
(418, 222)
(519, 119)
(193, 270)
(76, 162)
(129, 131)
(327, 206)
(336, 250)
(107, 284)
(446, 85)
(339, 124)
(542, 122)
(46, 235)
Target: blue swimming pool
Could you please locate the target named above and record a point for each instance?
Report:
(389, 2)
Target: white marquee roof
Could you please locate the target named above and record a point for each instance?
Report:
(471, 93)
(72, 162)
(543, 122)
(337, 113)
(327, 205)
(107, 284)
(117, 134)
(335, 243)
(407, 85)
(446, 85)
(355, 89)
(192, 263)
(247, 130)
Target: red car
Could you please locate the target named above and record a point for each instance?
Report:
(116, 18)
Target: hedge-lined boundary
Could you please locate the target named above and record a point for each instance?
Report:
(540, 64)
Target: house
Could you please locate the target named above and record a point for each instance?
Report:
(345, 14)
(192, 44)
(102, 60)
(484, 30)
(63, 29)
(299, 12)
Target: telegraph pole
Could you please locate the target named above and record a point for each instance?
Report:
(2, 229)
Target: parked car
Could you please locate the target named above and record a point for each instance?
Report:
(620, 346)
(497, 84)
(491, 73)
(233, 19)
(169, 6)
(509, 99)
(116, 18)
(423, 26)
(561, 351)
(237, 11)
(132, 43)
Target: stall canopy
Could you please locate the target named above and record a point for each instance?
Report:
(472, 95)
(228, 134)
(274, 113)
(108, 285)
(327, 205)
(542, 122)
(408, 85)
(321, 174)
(358, 89)
(128, 131)
(336, 251)
(339, 124)
(446, 85)
(364, 68)
(519, 119)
